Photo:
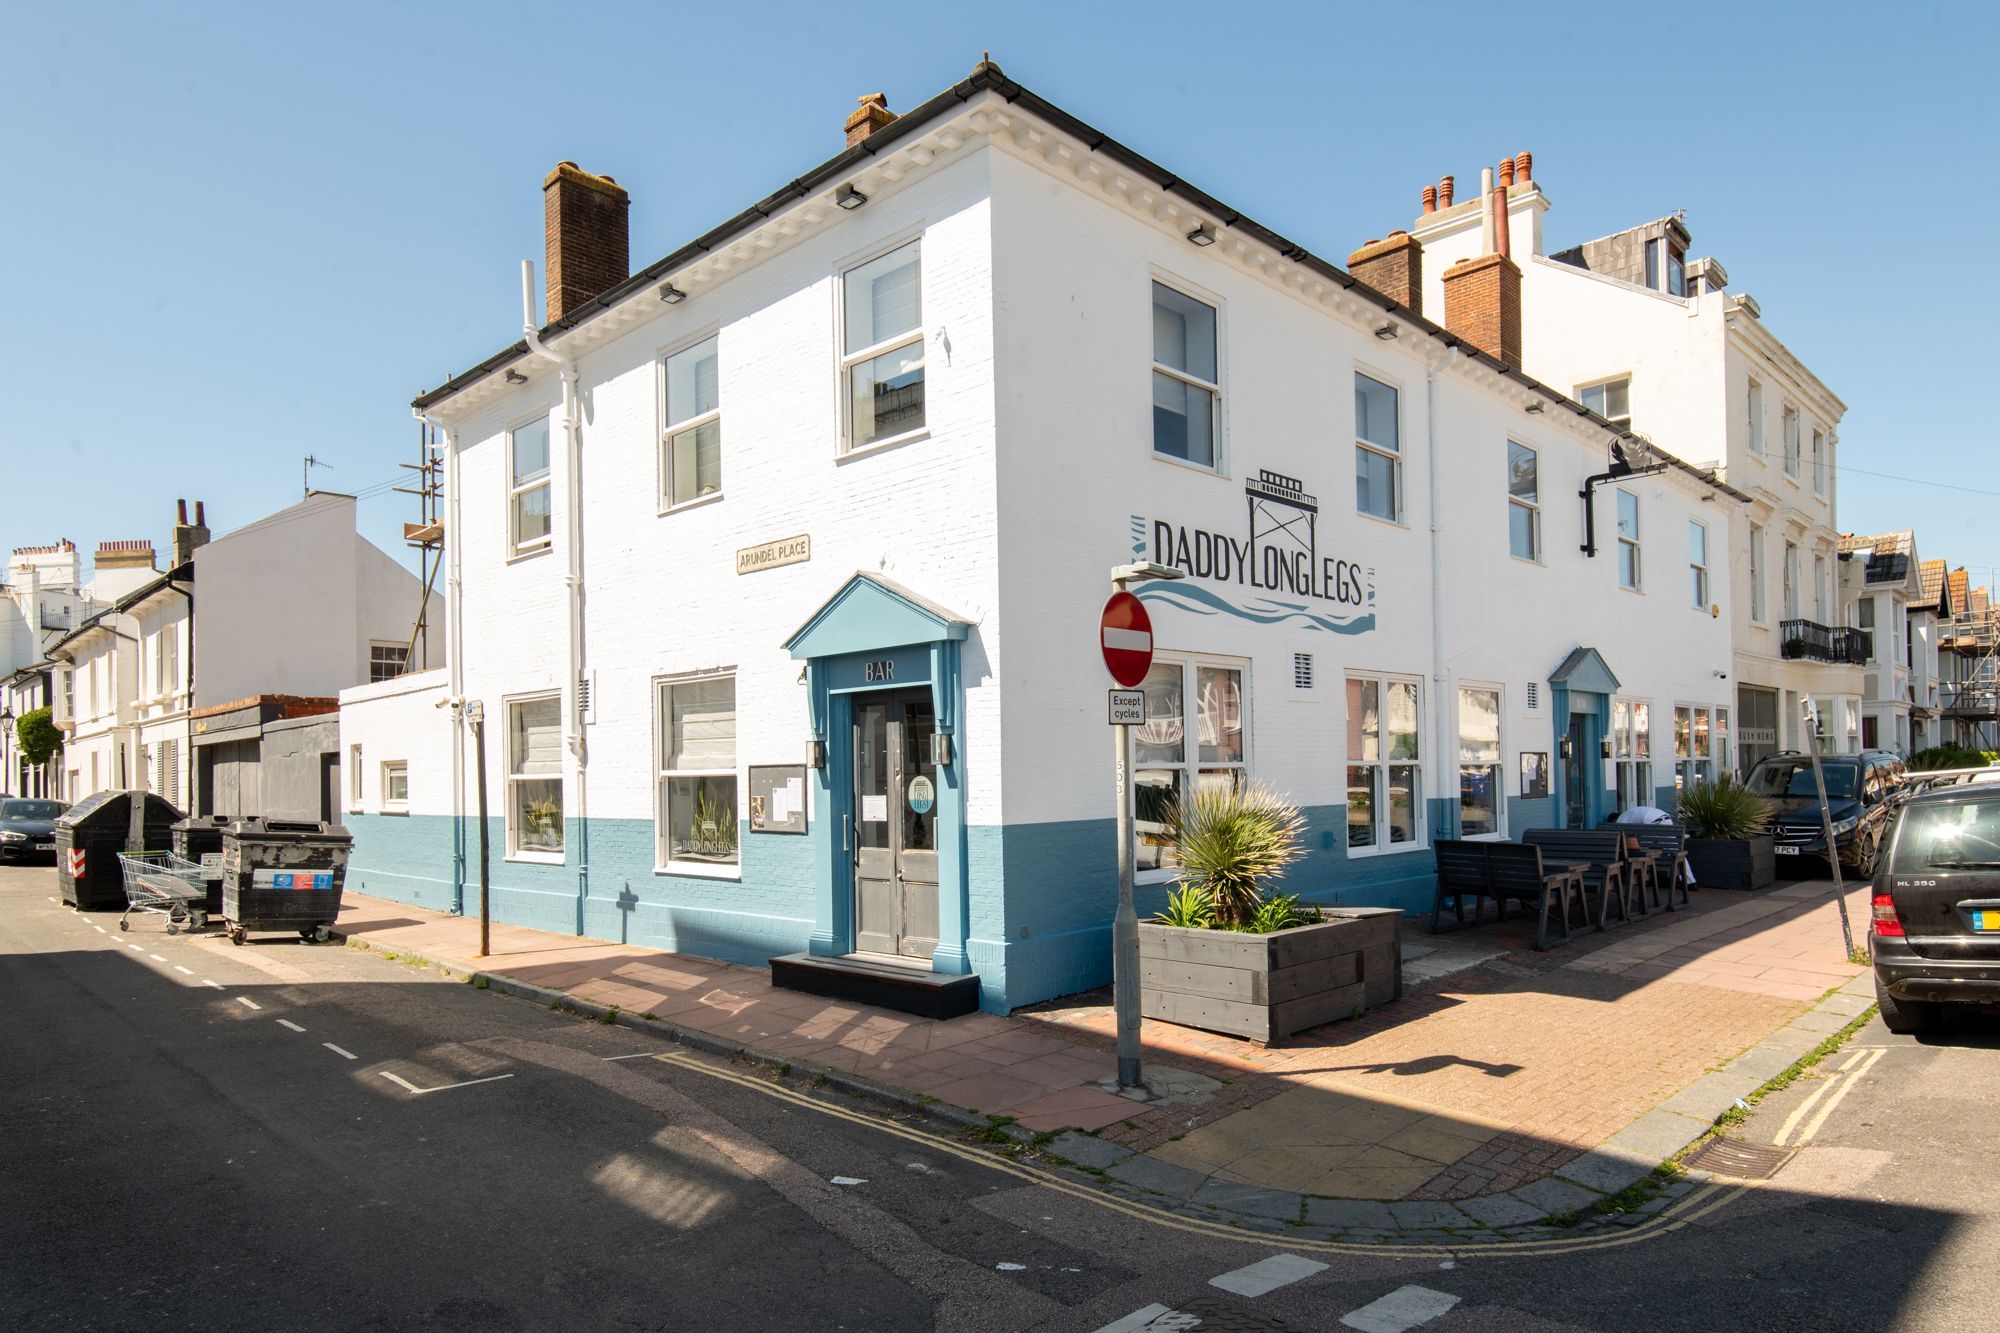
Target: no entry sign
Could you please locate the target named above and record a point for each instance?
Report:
(1126, 633)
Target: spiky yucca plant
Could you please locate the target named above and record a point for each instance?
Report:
(1229, 840)
(1723, 808)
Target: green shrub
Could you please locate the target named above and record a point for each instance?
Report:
(1189, 909)
(36, 730)
(1724, 808)
(1952, 756)
(1229, 840)
(1282, 914)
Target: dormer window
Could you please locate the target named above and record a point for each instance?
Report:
(1666, 267)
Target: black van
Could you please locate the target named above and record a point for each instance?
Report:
(1935, 933)
(1861, 790)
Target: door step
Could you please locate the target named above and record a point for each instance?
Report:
(904, 989)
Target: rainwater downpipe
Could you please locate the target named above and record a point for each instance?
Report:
(572, 407)
(194, 786)
(454, 654)
(1441, 707)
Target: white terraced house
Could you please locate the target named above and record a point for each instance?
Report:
(775, 570)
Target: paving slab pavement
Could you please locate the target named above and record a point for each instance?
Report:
(1500, 1085)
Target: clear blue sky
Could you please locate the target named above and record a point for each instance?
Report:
(237, 235)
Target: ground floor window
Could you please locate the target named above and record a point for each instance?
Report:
(698, 771)
(396, 783)
(1632, 751)
(1701, 745)
(1479, 789)
(534, 775)
(1384, 773)
(1168, 761)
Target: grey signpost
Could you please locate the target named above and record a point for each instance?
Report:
(1125, 923)
(1814, 735)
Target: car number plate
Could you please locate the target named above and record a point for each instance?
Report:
(1786, 851)
(1986, 921)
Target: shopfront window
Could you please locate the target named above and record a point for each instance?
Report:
(1632, 751)
(1384, 773)
(698, 772)
(534, 776)
(1701, 745)
(1168, 762)
(1480, 794)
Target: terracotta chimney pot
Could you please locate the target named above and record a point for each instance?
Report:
(1524, 166)
(1506, 171)
(1446, 185)
(1430, 198)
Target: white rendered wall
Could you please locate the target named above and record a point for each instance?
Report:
(398, 720)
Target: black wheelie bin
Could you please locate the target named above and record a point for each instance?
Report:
(280, 874)
(91, 833)
(198, 838)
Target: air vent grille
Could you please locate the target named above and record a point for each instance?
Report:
(1302, 671)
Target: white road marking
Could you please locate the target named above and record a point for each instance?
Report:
(1405, 1307)
(1010, 1268)
(349, 1055)
(1280, 1270)
(206, 982)
(156, 958)
(642, 1055)
(1152, 1317)
(100, 930)
(414, 1090)
(850, 1180)
(135, 948)
(55, 900)
(288, 1023)
(1812, 1126)
(245, 999)
(183, 971)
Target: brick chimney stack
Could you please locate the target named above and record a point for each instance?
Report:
(1394, 267)
(187, 537)
(587, 237)
(870, 116)
(1482, 296)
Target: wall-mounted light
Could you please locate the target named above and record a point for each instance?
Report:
(1537, 407)
(671, 294)
(1201, 235)
(516, 377)
(816, 754)
(850, 198)
(1387, 333)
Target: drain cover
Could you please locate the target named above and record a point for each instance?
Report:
(1744, 1161)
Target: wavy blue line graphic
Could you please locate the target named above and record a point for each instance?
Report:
(1197, 600)
(1138, 536)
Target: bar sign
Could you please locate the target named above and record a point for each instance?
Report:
(1128, 708)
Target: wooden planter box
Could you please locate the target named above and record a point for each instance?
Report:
(1733, 863)
(1266, 987)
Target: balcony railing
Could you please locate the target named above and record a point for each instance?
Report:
(1823, 643)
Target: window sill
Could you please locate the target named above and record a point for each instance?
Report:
(702, 870)
(529, 552)
(883, 446)
(1385, 522)
(1393, 849)
(538, 858)
(1527, 560)
(1638, 591)
(711, 498)
(1205, 469)
(402, 810)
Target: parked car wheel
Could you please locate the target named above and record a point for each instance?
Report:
(1904, 1017)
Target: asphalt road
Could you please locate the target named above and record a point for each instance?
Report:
(288, 1136)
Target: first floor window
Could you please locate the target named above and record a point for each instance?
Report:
(396, 782)
(1524, 512)
(1611, 400)
(1378, 449)
(386, 661)
(528, 486)
(691, 458)
(1186, 376)
(1698, 564)
(1384, 779)
(1479, 793)
(1170, 759)
(1632, 751)
(1628, 540)
(882, 346)
(698, 771)
(1757, 608)
(534, 775)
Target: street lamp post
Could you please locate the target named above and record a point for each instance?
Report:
(1125, 923)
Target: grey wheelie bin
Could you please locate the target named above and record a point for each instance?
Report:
(91, 833)
(282, 874)
(198, 838)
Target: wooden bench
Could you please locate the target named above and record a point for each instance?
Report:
(1601, 853)
(1669, 841)
(1505, 872)
(1642, 870)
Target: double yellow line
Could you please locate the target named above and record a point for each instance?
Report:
(1691, 1209)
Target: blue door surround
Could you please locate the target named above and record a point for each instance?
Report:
(1582, 688)
(875, 635)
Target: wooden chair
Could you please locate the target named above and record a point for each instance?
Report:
(1642, 870)
(1515, 871)
(1669, 841)
(1600, 852)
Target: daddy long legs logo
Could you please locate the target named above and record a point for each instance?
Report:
(1288, 581)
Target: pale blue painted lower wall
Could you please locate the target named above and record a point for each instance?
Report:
(1042, 895)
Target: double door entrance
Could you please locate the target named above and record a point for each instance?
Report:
(895, 824)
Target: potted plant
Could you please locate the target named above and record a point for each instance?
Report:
(1228, 955)
(1728, 846)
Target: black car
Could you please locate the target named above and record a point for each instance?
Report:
(1861, 792)
(1935, 934)
(28, 828)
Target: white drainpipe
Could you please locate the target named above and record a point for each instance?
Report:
(572, 405)
(1443, 704)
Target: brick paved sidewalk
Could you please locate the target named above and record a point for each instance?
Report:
(1504, 1068)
